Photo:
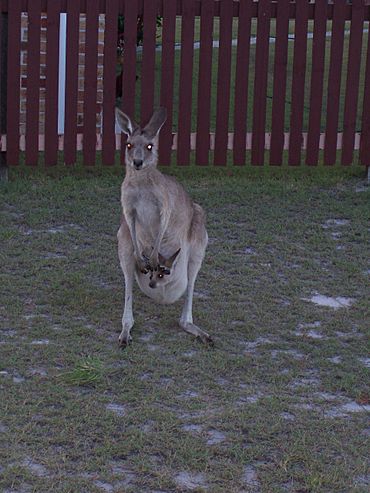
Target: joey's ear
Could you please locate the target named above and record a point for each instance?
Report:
(125, 123)
(169, 262)
(162, 260)
(156, 122)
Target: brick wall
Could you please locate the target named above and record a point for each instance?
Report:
(81, 72)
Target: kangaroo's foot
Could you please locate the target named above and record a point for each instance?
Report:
(125, 337)
(196, 331)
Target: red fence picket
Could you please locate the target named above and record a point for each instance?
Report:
(186, 82)
(365, 134)
(241, 82)
(109, 89)
(334, 82)
(204, 82)
(280, 80)
(223, 82)
(131, 12)
(298, 82)
(129, 58)
(317, 82)
(3, 58)
(151, 73)
(353, 78)
(260, 82)
(167, 82)
(148, 66)
(33, 82)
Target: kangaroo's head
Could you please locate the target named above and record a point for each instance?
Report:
(162, 274)
(142, 144)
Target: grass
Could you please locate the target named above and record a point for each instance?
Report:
(270, 408)
(89, 371)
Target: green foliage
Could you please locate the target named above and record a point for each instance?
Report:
(140, 30)
(88, 371)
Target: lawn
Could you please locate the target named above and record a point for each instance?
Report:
(277, 405)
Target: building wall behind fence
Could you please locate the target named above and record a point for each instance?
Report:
(81, 72)
(237, 77)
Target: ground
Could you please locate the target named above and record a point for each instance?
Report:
(277, 405)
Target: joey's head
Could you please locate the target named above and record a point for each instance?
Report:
(162, 274)
(142, 144)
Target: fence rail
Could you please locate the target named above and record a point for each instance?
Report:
(287, 77)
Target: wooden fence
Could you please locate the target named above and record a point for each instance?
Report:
(284, 76)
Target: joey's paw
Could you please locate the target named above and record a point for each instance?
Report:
(143, 265)
(153, 262)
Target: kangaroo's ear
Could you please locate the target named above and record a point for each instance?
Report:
(156, 122)
(125, 123)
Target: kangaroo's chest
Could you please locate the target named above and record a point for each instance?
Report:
(144, 205)
(147, 214)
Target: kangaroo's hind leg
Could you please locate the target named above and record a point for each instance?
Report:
(127, 261)
(198, 244)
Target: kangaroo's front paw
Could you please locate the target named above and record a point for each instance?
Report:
(153, 261)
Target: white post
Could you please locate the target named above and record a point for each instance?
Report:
(62, 72)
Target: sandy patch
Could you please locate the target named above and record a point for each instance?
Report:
(190, 481)
(116, 409)
(190, 428)
(330, 302)
(35, 468)
(250, 478)
(215, 437)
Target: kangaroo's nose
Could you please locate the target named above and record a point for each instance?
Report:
(152, 284)
(138, 163)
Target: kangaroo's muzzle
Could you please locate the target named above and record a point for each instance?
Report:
(138, 163)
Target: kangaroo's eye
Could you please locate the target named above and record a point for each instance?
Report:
(149, 147)
(129, 145)
(160, 276)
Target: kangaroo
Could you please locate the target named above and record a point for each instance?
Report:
(162, 237)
